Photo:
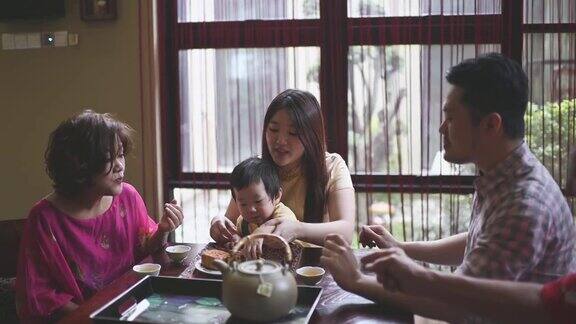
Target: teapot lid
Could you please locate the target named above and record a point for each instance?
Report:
(258, 267)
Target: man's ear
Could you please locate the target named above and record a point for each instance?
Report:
(493, 124)
(278, 196)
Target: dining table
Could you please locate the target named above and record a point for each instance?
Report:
(334, 306)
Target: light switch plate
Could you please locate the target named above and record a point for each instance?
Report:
(21, 41)
(38, 40)
(34, 40)
(61, 38)
(8, 42)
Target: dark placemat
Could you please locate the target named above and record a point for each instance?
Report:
(173, 300)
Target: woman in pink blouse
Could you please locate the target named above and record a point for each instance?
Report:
(92, 228)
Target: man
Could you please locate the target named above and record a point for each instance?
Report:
(521, 228)
(503, 301)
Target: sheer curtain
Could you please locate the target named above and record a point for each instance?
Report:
(378, 69)
(224, 93)
(549, 59)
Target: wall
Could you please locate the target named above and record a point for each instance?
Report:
(41, 87)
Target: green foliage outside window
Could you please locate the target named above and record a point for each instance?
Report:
(551, 134)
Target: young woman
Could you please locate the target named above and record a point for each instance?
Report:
(317, 186)
(92, 228)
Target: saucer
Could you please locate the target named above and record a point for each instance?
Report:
(198, 265)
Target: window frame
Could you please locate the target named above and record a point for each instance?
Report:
(333, 32)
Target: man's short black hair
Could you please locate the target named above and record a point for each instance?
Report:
(253, 170)
(493, 83)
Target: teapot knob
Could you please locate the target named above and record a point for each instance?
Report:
(259, 265)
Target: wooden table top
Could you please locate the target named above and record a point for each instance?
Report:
(335, 305)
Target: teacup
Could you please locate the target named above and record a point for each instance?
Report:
(310, 275)
(177, 253)
(150, 269)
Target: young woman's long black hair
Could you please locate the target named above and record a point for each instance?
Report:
(304, 110)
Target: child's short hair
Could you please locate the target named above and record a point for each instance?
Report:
(253, 170)
(80, 147)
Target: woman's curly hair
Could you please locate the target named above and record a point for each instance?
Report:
(79, 149)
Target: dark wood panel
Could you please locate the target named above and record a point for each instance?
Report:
(253, 33)
(10, 236)
(362, 183)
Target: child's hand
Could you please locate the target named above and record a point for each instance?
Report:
(223, 230)
(172, 217)
(253, 248)
(230, 245)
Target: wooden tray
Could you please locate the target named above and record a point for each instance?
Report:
(176, 300)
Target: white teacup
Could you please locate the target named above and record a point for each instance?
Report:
(177, 253)
(310, 275)
(150, 269)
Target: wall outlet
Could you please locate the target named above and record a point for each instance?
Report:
(72, 39)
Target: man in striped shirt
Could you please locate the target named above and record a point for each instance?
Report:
(521, 228)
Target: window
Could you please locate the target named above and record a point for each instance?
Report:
(377, 68)
(225, 10)
(224, 94)
(391, 112)
(371, 8)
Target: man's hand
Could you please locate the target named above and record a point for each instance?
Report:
(397, 272)
(377, 235)
(172, 217)
(338, 258)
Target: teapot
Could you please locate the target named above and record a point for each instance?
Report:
(258, 290)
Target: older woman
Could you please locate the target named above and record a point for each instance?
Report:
(92, 228)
